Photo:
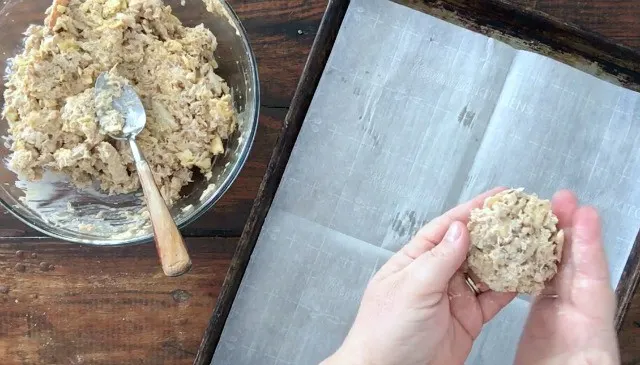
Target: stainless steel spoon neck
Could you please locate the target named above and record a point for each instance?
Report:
(135, 151)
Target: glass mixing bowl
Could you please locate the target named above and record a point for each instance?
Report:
(57, 208)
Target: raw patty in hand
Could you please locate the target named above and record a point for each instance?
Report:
(515, 243)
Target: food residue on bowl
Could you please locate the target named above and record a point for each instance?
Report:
(207, 192)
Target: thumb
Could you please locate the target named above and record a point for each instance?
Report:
(434, 269)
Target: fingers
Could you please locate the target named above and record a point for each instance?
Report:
(432, 233)
(564, 205)
(590, 273)
(434, 268)
(460, 295)
(587, 251)
(492, 302)
(583, 273)
(463, 305)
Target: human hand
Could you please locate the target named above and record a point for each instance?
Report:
(576, 325)
(418, 309)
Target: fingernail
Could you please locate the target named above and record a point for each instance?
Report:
(453, 233)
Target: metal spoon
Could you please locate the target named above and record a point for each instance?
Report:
(169, 243)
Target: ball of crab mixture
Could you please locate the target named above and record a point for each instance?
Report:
(515, 243)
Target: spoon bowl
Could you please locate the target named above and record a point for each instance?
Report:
(128, 104)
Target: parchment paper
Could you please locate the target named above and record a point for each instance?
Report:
(412, 116)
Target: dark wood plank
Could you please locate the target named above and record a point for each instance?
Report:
(614, 19)
(630, 335)
(69, 304)
(274, 29)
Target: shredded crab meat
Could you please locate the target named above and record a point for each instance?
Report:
(515, 243)
(58, 7)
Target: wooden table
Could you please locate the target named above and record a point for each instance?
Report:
(68, 304)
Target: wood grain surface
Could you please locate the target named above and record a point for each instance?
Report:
(64, 304)
(68, 304)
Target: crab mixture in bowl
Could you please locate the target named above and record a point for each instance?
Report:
(52, 112)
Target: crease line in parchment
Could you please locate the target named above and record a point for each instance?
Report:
(469, 159)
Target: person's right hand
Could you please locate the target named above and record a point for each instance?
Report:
(577, 326)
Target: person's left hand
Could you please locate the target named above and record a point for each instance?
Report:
(418, 309)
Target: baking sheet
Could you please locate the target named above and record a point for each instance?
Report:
(397, 134)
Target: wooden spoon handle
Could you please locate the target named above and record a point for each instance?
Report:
(169, 243)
